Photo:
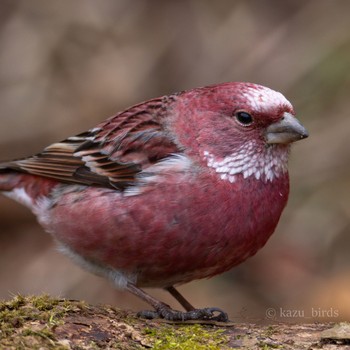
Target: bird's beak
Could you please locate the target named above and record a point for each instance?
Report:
(286, 130)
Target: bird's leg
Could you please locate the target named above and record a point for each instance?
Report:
(163, 310)
(179, 297)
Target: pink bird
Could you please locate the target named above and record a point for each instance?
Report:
(174, 189)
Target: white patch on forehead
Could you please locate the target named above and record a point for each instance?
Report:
(264, 99)
(265, 165)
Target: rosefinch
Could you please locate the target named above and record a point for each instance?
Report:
(177, 188)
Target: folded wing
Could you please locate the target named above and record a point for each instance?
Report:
(110, 155)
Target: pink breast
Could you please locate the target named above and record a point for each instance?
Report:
(179, 231)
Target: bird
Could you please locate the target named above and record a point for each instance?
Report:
(174, 189)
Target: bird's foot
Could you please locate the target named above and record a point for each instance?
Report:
(205, 314)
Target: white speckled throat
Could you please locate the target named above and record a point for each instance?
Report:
(265, 164)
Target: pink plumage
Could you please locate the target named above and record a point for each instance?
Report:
(177, 188)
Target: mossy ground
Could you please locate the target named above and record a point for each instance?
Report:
(42, 322)
(30, 322)
(194, 337)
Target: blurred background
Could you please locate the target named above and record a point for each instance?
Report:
(67, 65)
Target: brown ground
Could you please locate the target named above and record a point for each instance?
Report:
(45, 323)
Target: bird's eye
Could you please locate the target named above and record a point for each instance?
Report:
(244, 118)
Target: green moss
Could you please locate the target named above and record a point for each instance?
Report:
(42, 322)
(44, 333)
(185, 337)
(25, 319)
(271, 330)
(267, 346)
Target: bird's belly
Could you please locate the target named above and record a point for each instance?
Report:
(172, 234)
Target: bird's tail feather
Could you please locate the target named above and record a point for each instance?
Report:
(24, 188)
(8, 178)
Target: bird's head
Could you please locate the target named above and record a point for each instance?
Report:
(237, 128)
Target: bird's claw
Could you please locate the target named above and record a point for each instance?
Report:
(208, 313)
(205, 314)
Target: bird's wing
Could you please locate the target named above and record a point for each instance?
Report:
(110, 155)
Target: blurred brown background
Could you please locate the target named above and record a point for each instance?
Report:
(67, 65)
